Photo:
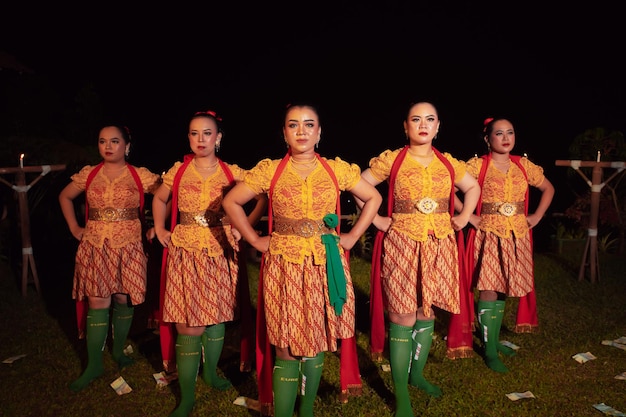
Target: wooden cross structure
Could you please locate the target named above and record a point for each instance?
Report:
(596, 184)
(24, 217)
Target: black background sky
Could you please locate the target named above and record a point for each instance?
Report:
(555, 71)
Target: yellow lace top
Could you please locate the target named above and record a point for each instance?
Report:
(197, 195)
(295, 198)
(413, 182)
(119, 193)
(509, 187)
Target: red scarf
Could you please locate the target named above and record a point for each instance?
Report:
(350, 377)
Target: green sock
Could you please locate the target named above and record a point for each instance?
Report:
(188, 351)
(505, 350)
(121, 321)
(285, 386)
(400, 346)
(488, 320)
(97, 331)
(310, 377)
(422, 340)
(212, 344)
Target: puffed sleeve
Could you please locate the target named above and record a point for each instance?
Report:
(260, 177)
(348, 174)
(458, 166)
(237, 171)
(380, 166)
(80, 178)
(474, 165)
(168, 178)
(149, 180)
(534, 172)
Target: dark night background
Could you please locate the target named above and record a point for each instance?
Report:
(554, 71)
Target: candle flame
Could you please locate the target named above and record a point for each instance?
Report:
(22, 156)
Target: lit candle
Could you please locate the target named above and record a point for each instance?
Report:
(598, 158)
(22, 161)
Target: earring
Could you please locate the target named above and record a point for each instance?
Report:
(127, 153)
(217, 147)
(317, 144)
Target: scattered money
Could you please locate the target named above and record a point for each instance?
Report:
(621, 340)
(609, 411)
(621, 376)
(386, 367)
(121, 386)
(161, 379)
(514, 396)
(614, 343)
(128, 350)
(248, 403)
(509, 344)
(583, 357)
(13, 358)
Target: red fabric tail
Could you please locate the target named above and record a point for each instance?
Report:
(247, 329)
(461, 326)
(527, 320)
(167, 337)
(166, 330)
(82, 306)
(377, 314)
(264, 359)
(350, 376)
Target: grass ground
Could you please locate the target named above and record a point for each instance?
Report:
(575, 317)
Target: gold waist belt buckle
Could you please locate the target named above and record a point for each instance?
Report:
(425, 205)
(505, 209)
(109, 214)
(204, 218)
(300, 227)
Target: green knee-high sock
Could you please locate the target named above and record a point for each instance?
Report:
(97, 331)
(212, 345)
(422, 341)
(310, 377)
(400, 346)
(285, 387)
(505, 350)
(488, 320)
(121, 321)
(188, 352)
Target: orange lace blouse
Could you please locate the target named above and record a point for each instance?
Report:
(508, 187)
(414, 182)
(295, 198)
(197, 195)
(119, 193)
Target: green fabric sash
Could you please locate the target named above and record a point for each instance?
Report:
(334, 268)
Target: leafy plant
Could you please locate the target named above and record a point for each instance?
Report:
(564, 231)
(607, 244)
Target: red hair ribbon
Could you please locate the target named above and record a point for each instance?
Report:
(486, 122)
(210, 113)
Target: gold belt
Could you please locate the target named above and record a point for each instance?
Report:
(203, 218)
(109, 214)
(425, 205)
(300, 227)
(506, 209)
